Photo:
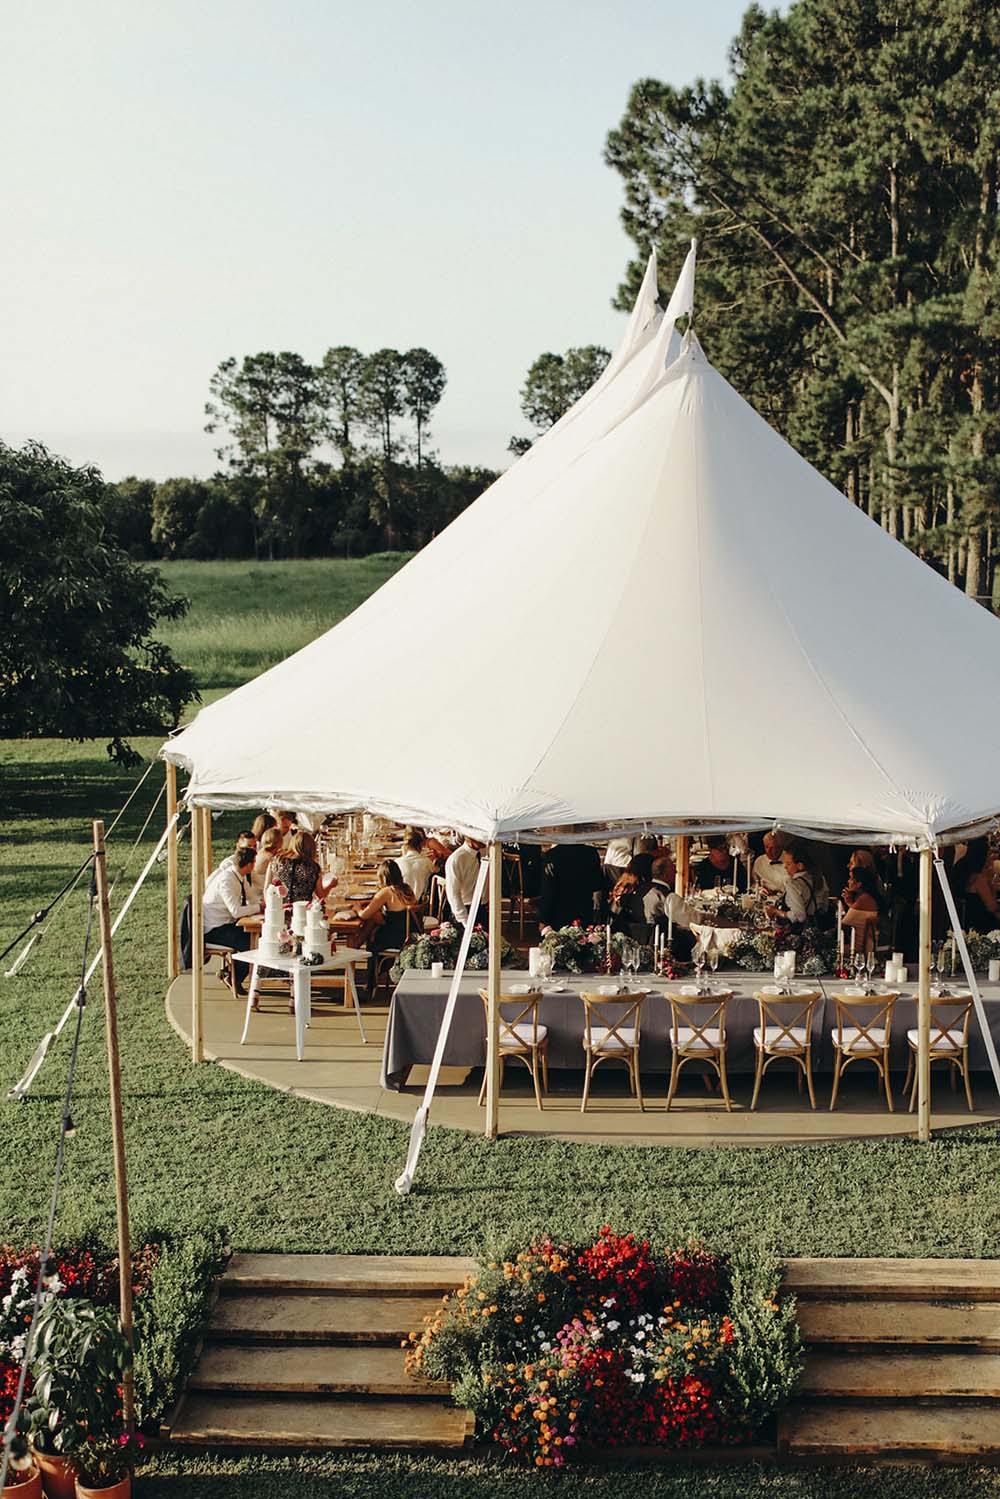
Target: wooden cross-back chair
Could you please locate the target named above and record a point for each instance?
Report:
(857, 1039)
(521, 1038)
(515, 871)
(611, 1033)
(784, 1032)
(949, 1043)
(695, 1040)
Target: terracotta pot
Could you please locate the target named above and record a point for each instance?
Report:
(58, 1479)
(120, 1490)
(30, 1487)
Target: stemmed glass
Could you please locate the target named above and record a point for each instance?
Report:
(860, 967)
(699, 965)
(713, 960)
(870, 970)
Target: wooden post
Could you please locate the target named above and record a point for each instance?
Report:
(198, 875)
(173, 935)
(682, 862)
(117, 1121)
(207, 865)
(493, 1022)
(924, 999)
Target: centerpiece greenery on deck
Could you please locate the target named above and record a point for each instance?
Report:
(562, 1349)
(441, 946)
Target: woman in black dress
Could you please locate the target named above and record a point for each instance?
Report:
(387, 913)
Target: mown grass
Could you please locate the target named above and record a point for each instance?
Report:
(208, 1148)
(370, 1477)
(247, 616)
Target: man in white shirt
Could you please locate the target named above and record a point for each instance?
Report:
(616, 857)
(414, 864)
(768, 869)
(460, 874)
(661, 905)
(229, 895)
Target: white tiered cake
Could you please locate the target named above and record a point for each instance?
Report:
(316, 938)
(274, 924)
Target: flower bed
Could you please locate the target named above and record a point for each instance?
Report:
(171, 1284)
(560, 1349)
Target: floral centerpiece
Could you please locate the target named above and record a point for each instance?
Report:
(815, 949)
(561, 1348)
(584, 949)
(441, 946)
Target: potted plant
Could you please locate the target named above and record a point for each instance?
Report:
(23, 1479)
(80, 1357)
(103, 1466)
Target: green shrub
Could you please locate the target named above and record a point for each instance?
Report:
(169, 1320)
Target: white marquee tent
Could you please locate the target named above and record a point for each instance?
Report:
(661, 617)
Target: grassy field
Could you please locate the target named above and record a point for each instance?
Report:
(207, 1147)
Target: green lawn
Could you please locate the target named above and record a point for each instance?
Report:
(207, 1147)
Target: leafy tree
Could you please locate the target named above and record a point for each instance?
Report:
(384, 395)
(424, 380)
(78, 656)
(270, 408)
(129, 515)
(844, 190)
(553, 383)
(341, 393)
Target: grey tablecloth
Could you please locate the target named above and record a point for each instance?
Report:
(418, 1007)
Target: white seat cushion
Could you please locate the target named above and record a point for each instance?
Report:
(778, 1039)
(948, 1042)
(855, 1040)
(690, 1040)
(523, 1032)
(602, 1039)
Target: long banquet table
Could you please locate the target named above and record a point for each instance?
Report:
(419, 1001)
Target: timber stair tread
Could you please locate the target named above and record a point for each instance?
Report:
(359, 1369)
(831, 1430)
(389, 1275)
(944, 1323)
(894, 1279)
(878, 1375)
(297, 1317)
(226, 1420)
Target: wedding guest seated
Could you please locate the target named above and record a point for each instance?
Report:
(297, 870)
(864, 858)
(717, 867)
(805, 895)
(572, 886)
(268, 847)
(768, 870)
(243, 840)
(289, 827)
(627, 914)
(261, 824)
(385, 915)
(647, 851)
(416, 867)
(861, 916)
(460, 874)
(972, 882)
(662, 905)
(440, 844)
(229, 895)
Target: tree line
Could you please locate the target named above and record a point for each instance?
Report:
(843, 187)
(332, 458)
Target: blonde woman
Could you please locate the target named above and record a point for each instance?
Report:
(268, 849)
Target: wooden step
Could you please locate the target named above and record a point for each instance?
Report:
(388, 1274)
(359, 1370)
(901, 1323)
(896, 1280)
(901, 1376)
(298, 1318)
(207, 1420)
(890, 1430)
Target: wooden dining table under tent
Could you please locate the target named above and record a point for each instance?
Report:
(688, 590)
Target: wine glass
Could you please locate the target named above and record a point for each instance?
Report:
(870, 969)
(713, 960)
(699, 963)
(859, 963)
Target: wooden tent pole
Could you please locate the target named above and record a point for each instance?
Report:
(173, 938)
(682, 864)
(117, 1120)
(924, 999)
(198, 876)
(207, 864)
(493, 1021)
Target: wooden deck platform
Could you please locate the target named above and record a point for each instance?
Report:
(339, 1071)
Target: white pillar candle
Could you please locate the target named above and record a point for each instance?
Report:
(840, 936)
(995, 970)
(902, 974)
(953, 956)
(533, 953)
(790, 962)
(897, 958)
(607, 939)
(890, 974)
(736, 865)
(854, 937)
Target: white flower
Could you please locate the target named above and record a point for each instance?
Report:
(595, 1333)
(613, 1326)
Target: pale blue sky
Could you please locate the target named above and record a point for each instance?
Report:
(189, 179)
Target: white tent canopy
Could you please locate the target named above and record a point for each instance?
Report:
(661, 617)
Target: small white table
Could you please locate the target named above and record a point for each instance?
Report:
(344, 958)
